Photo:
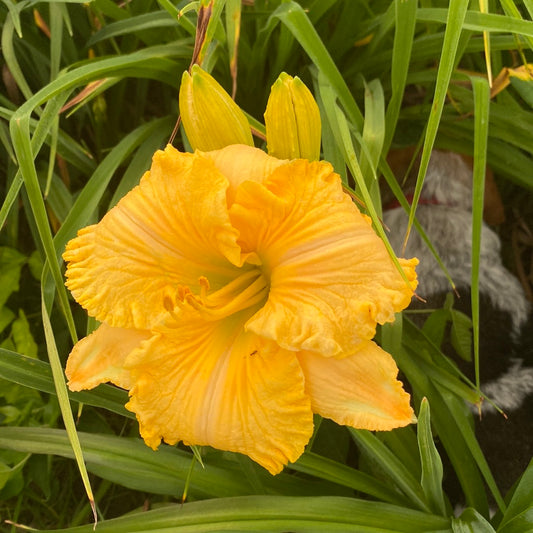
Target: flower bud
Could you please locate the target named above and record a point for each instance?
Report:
(292, 120)
(212, 120)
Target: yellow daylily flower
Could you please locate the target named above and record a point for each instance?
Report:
(292, 120)
(211, 118)
(239, 294)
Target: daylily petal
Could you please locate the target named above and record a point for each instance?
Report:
(169, 231)
(331, 278)
(211, 384)
(100, 357)
(360, 390)
(240, 163)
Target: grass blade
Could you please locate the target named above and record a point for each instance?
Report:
(64, 405)
(21, 141)
(454, 23)
(8, 51)
(476, 21)
(41, 131)
(405, 13)
(481, 116)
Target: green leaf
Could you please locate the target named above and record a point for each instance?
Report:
(524, 88)
(68, 148)
(6, 317)
(373, 137)
(7, 344)
(436, 366)
(454, 24)
(22, 337)
(315, 465)
(11, 262)
(10, 414)
(474, 20)
(431, 480)
(435, 325)
(519, 514)
(452, 421)
(13, 486)
(275, 514)
(7, 472)
(133, 25)
(36, 374)
(64, 404)
(461, 334)
(504, 158)
(393, 468)
(330, 149)
(405, 14)
(10, 57)
(130, 463)
(111, 9)
(14, 12)
(449, 420)
(471, 521)
(20, 132)
(35, 264)
(152, 62)
(58, 197)
(481, 130)
(403, 443)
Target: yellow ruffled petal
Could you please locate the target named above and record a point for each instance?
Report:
(169, 231)
(360, 390)
(211, 119)
(292, 120)
(331, 278)
(240, 163)
(211, 384)
(99, 357)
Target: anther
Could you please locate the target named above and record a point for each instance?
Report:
(169, 306)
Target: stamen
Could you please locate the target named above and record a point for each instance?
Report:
(204, 289)
(246, 290)
(169, 306)
(250, 296)
(237, 295)
(235, 285)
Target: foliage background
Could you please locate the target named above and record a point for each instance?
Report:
(89, 93)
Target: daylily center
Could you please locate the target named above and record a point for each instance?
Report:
(247, 290)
